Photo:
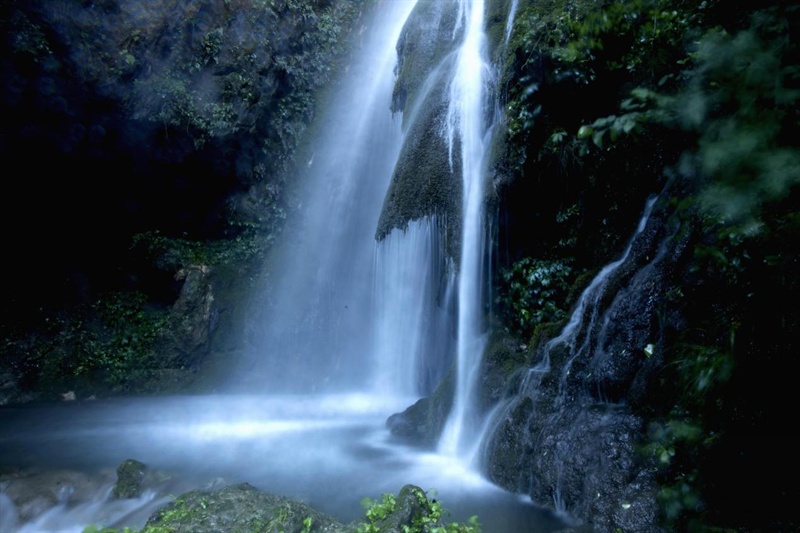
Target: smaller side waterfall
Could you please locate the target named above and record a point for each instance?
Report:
(512, 13)
(587, 311)
(566, 432)
(468, 128)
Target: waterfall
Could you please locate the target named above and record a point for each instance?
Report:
(467, 129)
(345, 328)
(587, 311)
(315, 327)
(512, 12)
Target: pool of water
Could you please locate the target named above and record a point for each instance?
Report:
(330, 451)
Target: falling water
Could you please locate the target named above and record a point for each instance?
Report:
(409, 324)
(587, 310)
(315, 332)
(582, 320)
(512, 12)
(468, 130)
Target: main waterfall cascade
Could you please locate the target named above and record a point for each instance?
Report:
(345, 313)
(409, 266)
(314, 328)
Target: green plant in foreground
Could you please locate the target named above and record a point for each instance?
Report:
(428, 518)
(376, 511)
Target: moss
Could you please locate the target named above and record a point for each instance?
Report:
(237, 508)
(411, 511)
(542, 333)
(423, 184)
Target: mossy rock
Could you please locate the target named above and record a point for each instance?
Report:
(422, 423)
(130, 477)
(239, 508)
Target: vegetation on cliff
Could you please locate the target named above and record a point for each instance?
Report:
(161, 140)
(704, 97)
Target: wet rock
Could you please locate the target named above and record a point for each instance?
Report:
(31, 492)
(510, 449)
(194, 315)
(130, 476)
(422, 423)
(422, 184)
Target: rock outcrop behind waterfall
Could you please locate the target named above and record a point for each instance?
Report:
(426, 179)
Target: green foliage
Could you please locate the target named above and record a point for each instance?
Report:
(533, 292)
(701, 367)
(741, 101)
(123, 351)
(375, 511)
(429, 519)
(173, 253)
(29, 39)
(110, 345)
(177, 513)
(710, 98)
(184, 107)
(674, 446)
(540, 28)
(103, 529)
(630, 36)
(642, 107)
(738, 100)
(636, 41)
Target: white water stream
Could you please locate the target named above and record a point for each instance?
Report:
(467, 128)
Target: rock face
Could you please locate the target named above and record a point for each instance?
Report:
(571, 434)
(194, 314)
